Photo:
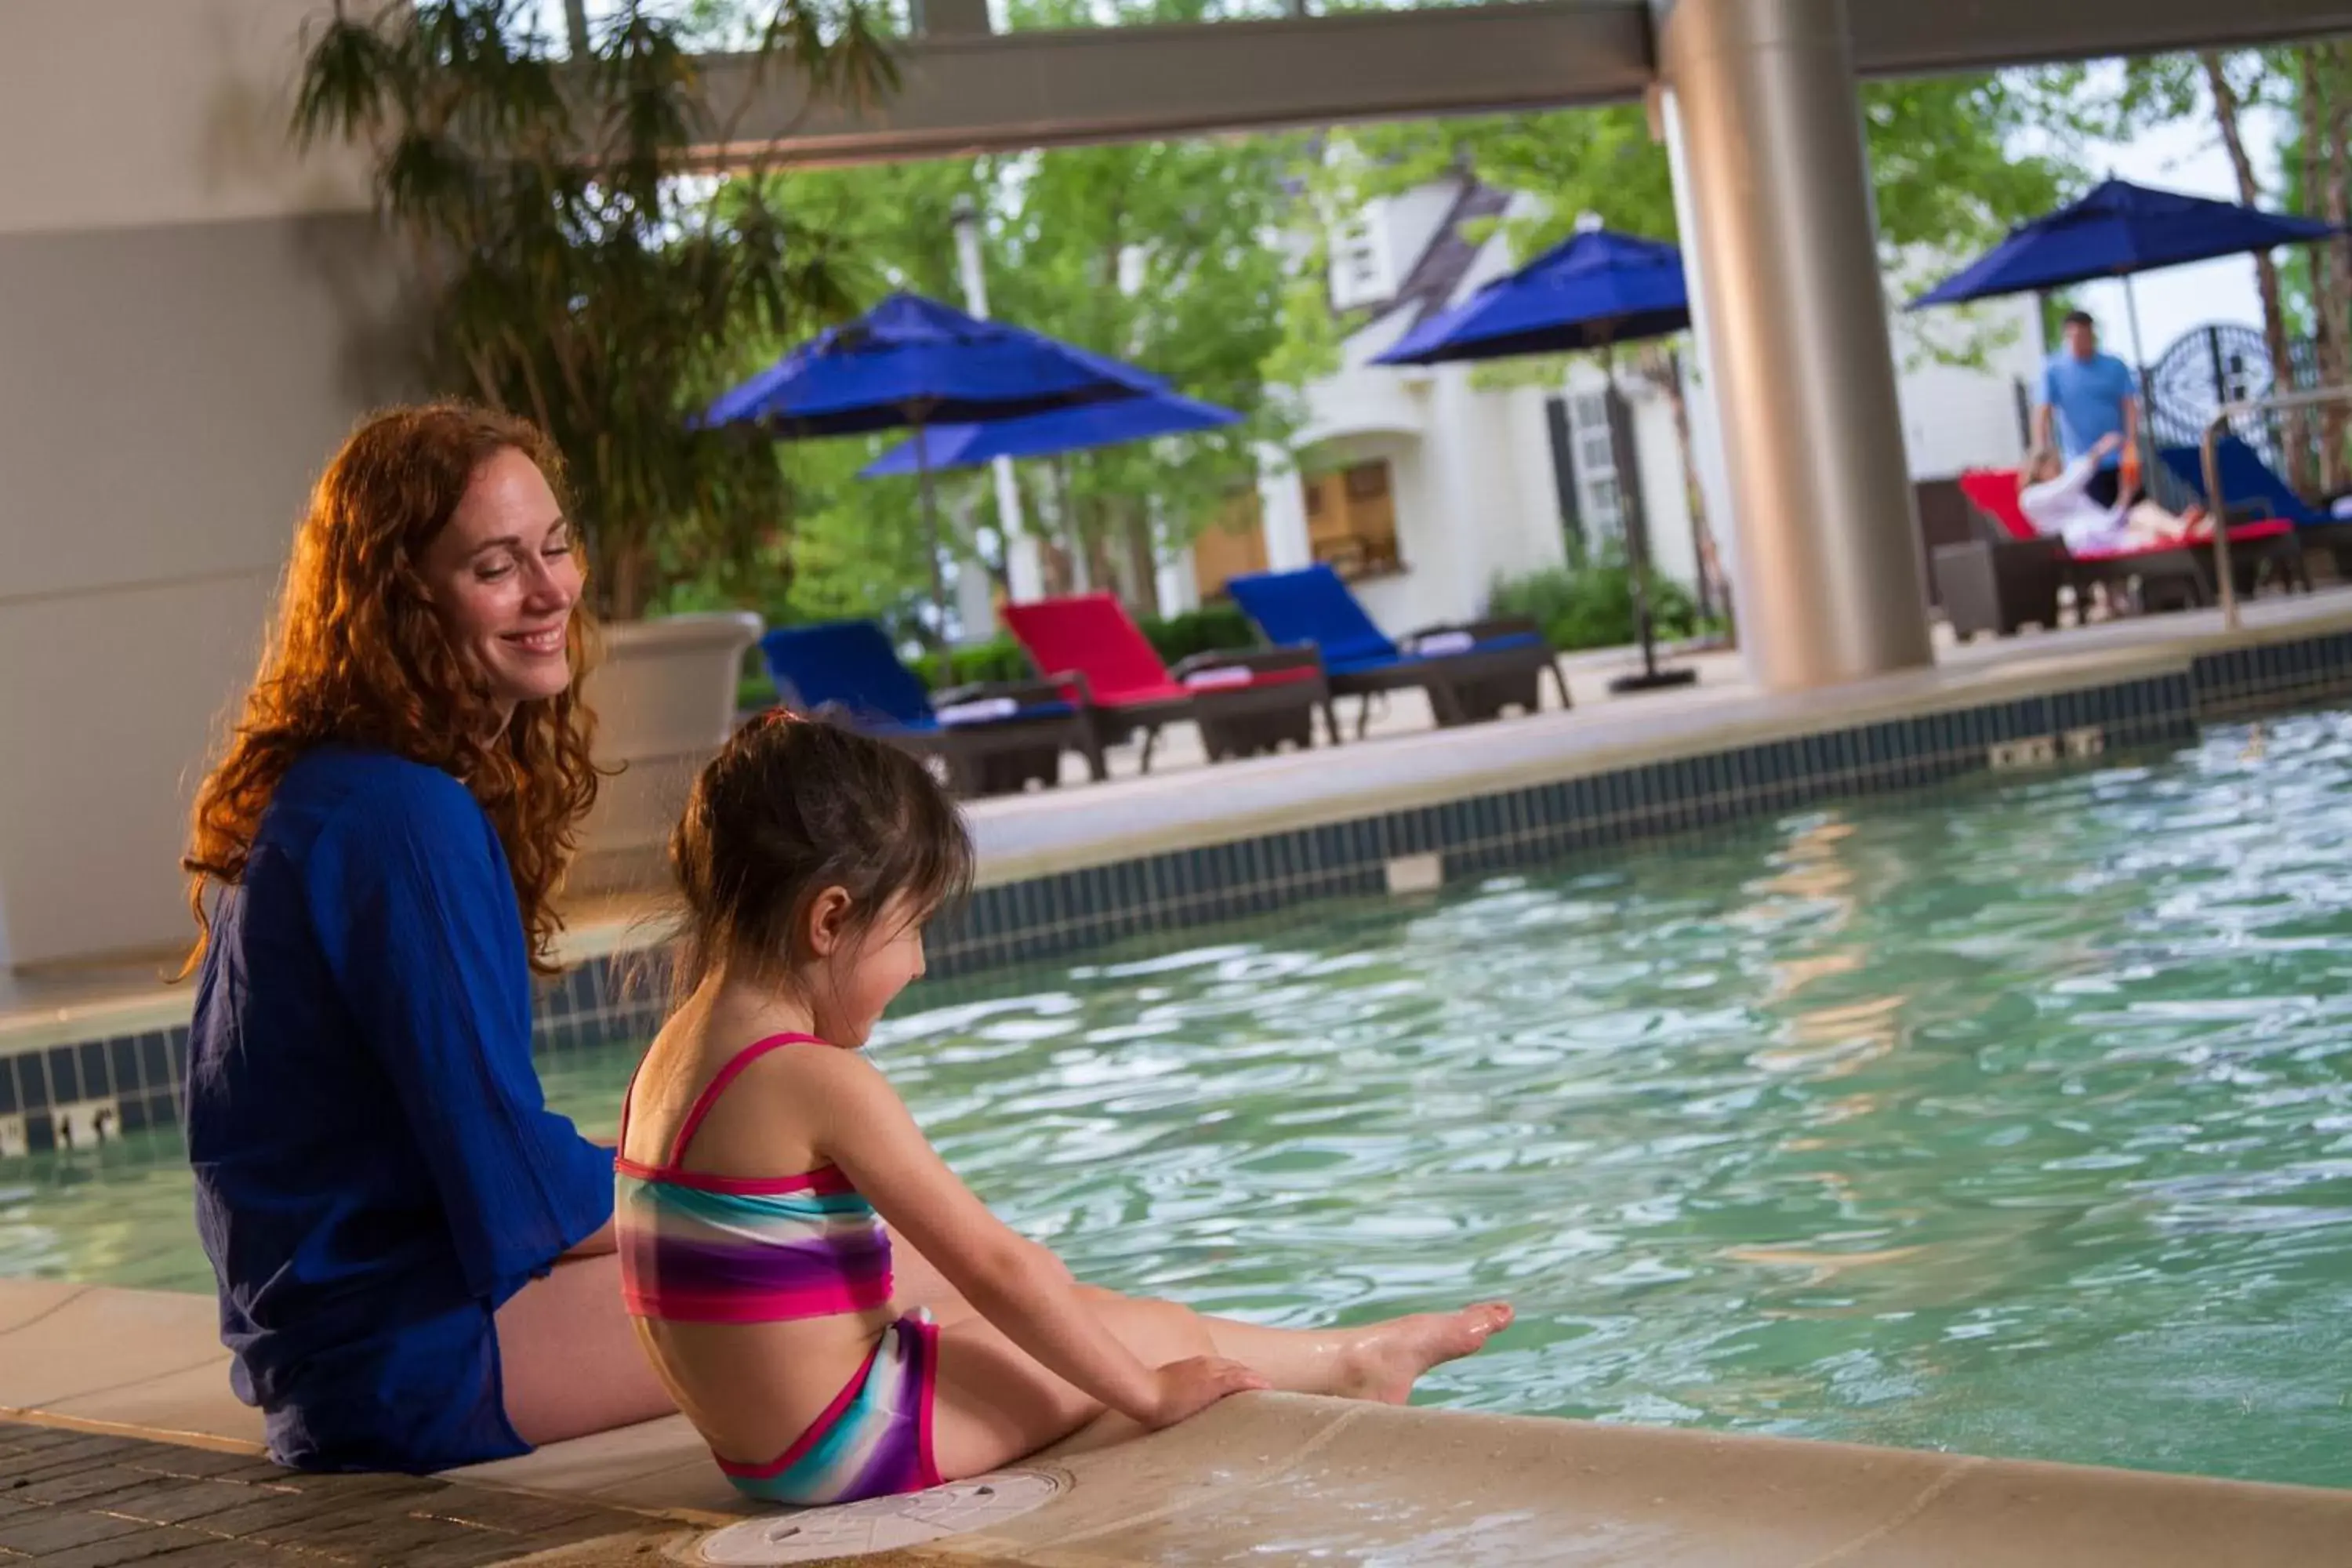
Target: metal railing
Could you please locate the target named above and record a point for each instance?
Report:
(2225, 580)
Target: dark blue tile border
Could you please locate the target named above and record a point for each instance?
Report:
(2269, 678)
(1052, 917)
(620, 997)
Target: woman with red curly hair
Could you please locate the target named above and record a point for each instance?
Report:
(414, 1256)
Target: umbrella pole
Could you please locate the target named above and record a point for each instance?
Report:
(2140, 349)
(932, 542)
(2139, 375)
(1637, 546)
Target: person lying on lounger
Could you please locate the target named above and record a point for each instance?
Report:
(2055, 498)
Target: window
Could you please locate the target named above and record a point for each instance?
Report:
(1351, 520)
(1360, 262)
(1600, 501)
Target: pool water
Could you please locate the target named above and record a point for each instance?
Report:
(2013, 1118)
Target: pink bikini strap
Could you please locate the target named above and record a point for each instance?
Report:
(715, 1087)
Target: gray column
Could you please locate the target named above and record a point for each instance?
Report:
(1766, 139)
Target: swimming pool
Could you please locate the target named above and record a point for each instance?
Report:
(2012, 1119)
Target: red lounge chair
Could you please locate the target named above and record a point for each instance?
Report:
(2010, 576)
(1244, 702)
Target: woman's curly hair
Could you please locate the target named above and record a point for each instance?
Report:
(358, 656)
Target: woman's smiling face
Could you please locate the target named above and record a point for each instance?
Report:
(505, 577)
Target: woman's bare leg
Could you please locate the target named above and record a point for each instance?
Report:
(569, 1357)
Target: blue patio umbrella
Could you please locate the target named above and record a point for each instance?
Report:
(2116, 231)
(1074, 429)
(913, 362)
(1593, 290)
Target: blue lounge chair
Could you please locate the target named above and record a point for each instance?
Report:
(2253, 495)
(993, 738)
(1472, 672)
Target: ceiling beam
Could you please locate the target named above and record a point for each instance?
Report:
(1009, 91)
(1920, 39)
(967, 93)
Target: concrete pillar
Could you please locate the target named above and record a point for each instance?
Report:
(1766, 137)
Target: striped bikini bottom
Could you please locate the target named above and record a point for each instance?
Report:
(873, 1440)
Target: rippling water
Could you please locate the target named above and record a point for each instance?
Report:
(2010, 1119)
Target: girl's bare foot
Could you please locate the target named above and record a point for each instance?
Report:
(1385, 1359)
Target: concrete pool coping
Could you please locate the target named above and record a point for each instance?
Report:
(1410, 766)
(1275, 1478)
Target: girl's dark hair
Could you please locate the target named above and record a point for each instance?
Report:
(788, 807)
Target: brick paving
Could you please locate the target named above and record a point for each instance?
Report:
(69, 1499)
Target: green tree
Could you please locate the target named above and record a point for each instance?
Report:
(570, 270)
(1955, 160)
(1161, 254)
(2304, 288)
(2313, 91)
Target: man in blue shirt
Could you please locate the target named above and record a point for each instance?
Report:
(2088, 396)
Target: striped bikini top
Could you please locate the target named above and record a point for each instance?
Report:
(702, 1248)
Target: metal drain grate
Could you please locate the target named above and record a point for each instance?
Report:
(878, 1524)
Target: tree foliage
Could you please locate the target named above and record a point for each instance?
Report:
(1956, 161)
(1161, 254)
(570, 270)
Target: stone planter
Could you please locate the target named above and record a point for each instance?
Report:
(664, 700)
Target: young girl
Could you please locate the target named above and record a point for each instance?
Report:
(766, 1170)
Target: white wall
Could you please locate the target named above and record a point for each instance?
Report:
(157, 111)
(1965, 417)
(1410, 220)
(1530, 535)
(189, 320)
(1472, 494)
(1417, 492)
(1665, 499)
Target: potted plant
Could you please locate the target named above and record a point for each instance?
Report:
(552, 198)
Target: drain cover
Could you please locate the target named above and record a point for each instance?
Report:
(880, 1523)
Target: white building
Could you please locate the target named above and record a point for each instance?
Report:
(1425, 485)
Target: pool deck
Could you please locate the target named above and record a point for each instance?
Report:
(121, 1442)
(1184, 804)
(1262, 1479)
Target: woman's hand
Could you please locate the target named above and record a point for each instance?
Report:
(1185, 1388)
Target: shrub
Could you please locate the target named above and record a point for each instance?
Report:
(999, 658)
(1212, 629)
(1592, 606)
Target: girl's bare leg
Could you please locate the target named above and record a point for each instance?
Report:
(1372, 1360)
(1375, 1361)
(995, 1403)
